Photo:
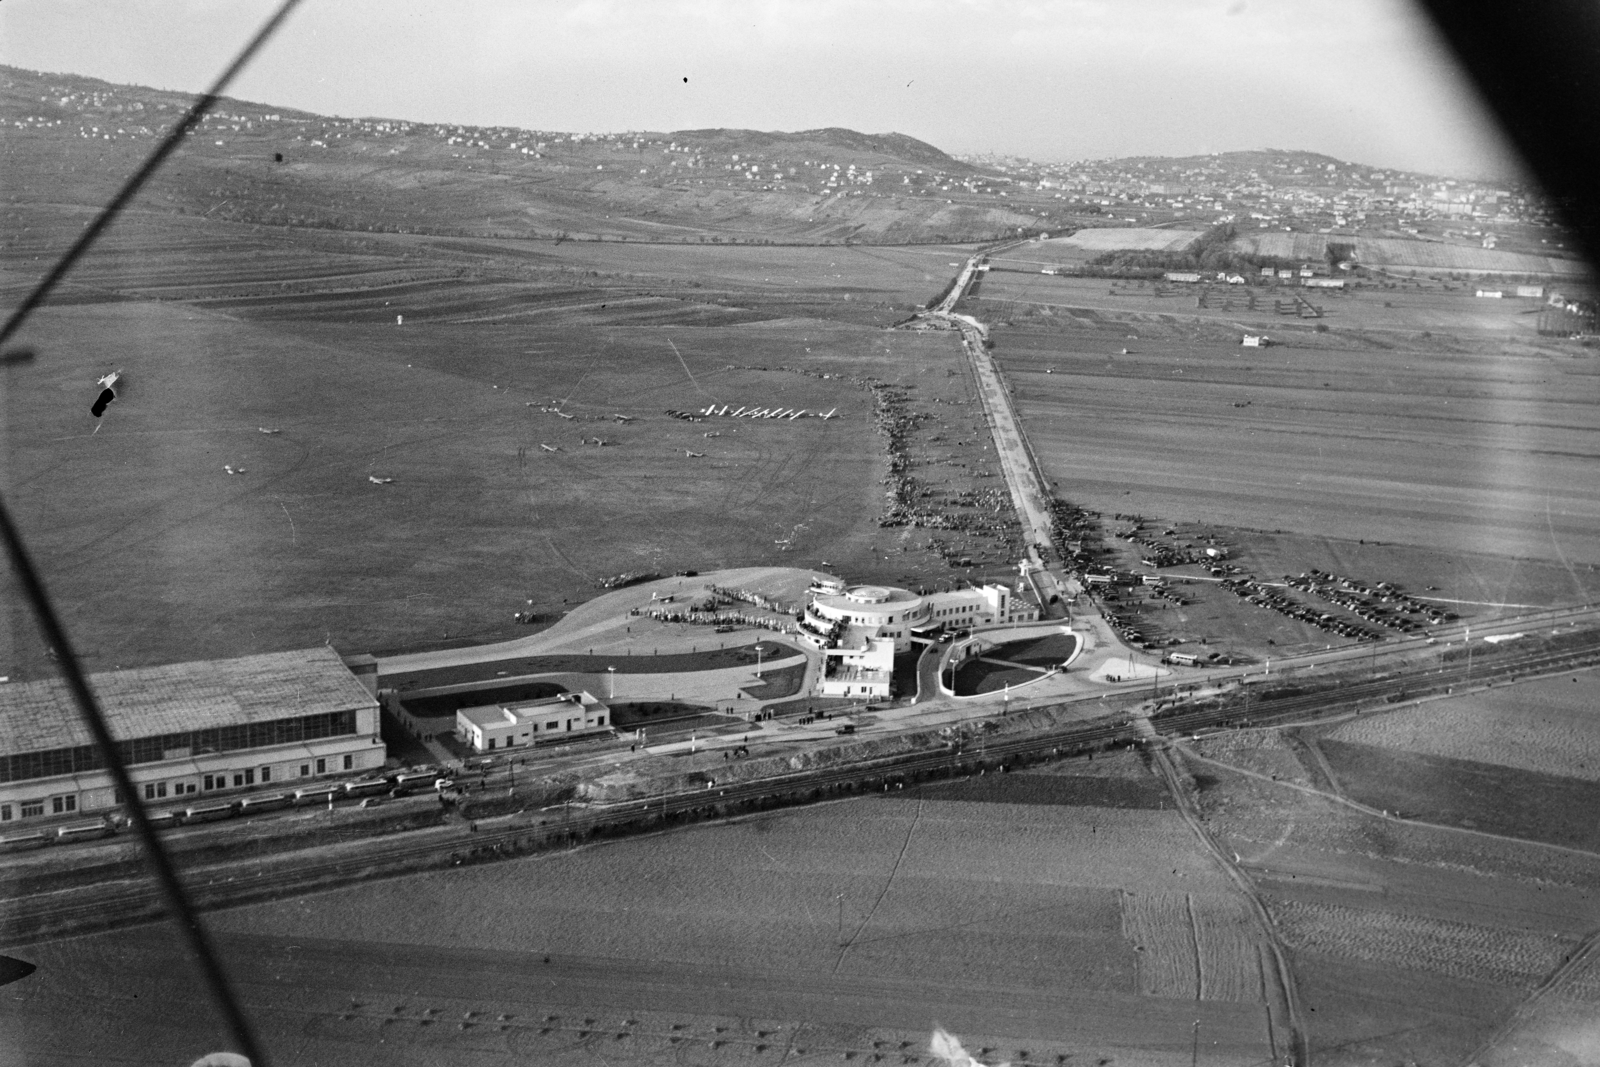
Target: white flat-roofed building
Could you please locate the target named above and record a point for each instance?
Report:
(496, 727)
(862, 612)
(850, 618)
(858, 672)
(184, 729)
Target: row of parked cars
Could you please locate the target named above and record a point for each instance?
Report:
(396, 784)
(1267, 597)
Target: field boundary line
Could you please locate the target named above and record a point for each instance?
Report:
(916, 820)
(1298, 1045)
(1323, 765)
(1375, 812)
(1523, 1013)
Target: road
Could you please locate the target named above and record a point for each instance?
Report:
(1029, 494)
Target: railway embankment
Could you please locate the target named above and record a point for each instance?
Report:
(502, 818)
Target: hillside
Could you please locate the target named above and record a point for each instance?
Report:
(71, 138)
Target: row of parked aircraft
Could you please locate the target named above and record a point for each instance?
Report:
(768, 413)
(750, 412)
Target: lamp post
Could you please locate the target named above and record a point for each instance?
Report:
(758, 659)
(611, 683)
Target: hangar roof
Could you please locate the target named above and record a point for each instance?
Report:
(149, 701)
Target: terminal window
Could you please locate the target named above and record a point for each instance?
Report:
(63, 804)
(5, 812)
(322, 766)
(31, 808)
(349, 761)
(155, 790)
(266, 774)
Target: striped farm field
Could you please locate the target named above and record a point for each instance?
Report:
(1113, 239)
(1467, 951)
(1193, 946)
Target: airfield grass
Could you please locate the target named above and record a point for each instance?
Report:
(141, 517)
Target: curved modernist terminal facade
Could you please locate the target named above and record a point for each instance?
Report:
(883, 610)
(859, 629)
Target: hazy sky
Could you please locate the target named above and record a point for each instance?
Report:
(1051, 79)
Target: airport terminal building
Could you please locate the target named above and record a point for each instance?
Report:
(840, 615)
(186, 729)
(860, 629)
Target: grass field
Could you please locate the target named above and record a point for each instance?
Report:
(1133, 238)
(849, 923)
(1425, 255)
(1048, 651)
(1464, 451)
(1407, 941)
(983, 676)
(1548, 727)
(1480, 796)
(302, 547)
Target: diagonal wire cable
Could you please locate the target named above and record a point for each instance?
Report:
(131, 187)
(178, 904)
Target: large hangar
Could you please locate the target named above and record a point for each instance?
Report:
(186, 729)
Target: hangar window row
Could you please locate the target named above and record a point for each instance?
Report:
(25, 766)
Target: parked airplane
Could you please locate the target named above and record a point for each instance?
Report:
(263, 429)
(623, 418)
(549, 448)
(108, 393)
(693, 455)
(563, 414)
(232, 470)
(375, 480)
(714, 433)
(828, 416)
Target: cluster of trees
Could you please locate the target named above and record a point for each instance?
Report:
(1211, 251)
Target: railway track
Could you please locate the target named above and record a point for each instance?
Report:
(45, 915)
